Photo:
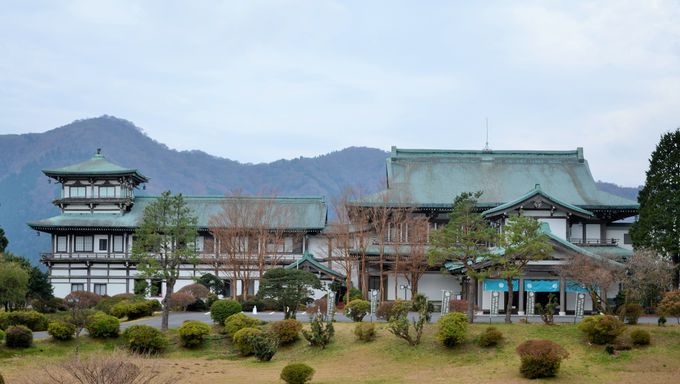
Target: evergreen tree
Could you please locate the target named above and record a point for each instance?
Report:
(164, 240)
(522, 242)
(288, 288)
(39, 286)
(658, 227)
(464, 239)
(3, 241)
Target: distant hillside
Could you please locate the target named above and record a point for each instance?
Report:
(627, 192)
(26, 195)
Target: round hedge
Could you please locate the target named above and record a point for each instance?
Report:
(297, 373)
(145, 339)
(365, 332)
(102, 326)
(238, 321)
(192, 333)
(490, 337)
(357, 309)
(540, 358)
(18, 336)
(640, 337)
(602, 329)
(222, 309)
(286, 331)
(35, 321)
(452, 329)
(243, 340)
(61, 330)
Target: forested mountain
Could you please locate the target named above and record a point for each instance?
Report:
(26, 194)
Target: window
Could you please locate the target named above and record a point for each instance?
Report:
(77, 287)
(61, 243)
(107, 191)
(103, 245)
(100, 289)
(77, 192)
(156, 288)
(118, 244)
(626, 238)
(83, 244)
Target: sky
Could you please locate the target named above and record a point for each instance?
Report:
(256, 81)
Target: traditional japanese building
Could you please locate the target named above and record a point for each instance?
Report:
(555, 187)
(92, 236)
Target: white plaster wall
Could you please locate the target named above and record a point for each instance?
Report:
(617, 233)
(318, 246)
(557, 226)
(432, 283)
(593, 231)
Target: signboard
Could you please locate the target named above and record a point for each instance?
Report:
(330, 306)
(374, 301)
(446, 297)
(580, 303)
(495, 298)
(531, 303)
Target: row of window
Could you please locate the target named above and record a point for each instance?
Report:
(105, 192)
(87, 244)
(99, 289)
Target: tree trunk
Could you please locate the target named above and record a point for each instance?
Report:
(363, 279)
(508, 304)
(165, 314)
(382, 276)
(675, 259)
(471, 283)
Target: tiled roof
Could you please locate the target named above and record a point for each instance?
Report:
(296, 213)
(96, 166)
(435, 177)
(537, 191)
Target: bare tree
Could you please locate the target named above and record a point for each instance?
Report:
(596, 276)
(251, 237)
(416, 263)
(339, 235)
(648, 276)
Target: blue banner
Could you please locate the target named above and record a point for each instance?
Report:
(542, 285)
(500, 285)
(573, 286)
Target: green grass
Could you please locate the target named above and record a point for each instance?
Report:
(392, 360)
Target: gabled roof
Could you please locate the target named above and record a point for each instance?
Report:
(307, 261)
(96, 166)
(294, 214)
(433, 178)
(531, 195)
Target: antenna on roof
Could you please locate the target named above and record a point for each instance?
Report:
(486, 146)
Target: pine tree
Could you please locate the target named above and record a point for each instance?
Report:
(658, 227)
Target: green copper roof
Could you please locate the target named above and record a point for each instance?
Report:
(293, 213)
(96, 166)
(308, 258)
(609, 251)
(433, 178)
(537, 191)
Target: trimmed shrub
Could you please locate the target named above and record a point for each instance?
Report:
(51, 305)
(82, 299)
(145, 339)
(192, 333)
(365, 332)
(540, 358)
(393, 309)
(134, 309)
(222, 309)
(33, 320)
(179, 301)
(490, 337)
(61, 330)
(238, 321)
(198, 291)
(630, 313)
(120, 310)
(18, 336)
(670, 305)
(458, 306)
(357, 309)
(355, 294)
(264, 346)
(243, 340)
(419, 301)
(452, 329)
(102, 326)
(286, 331)
(640, 337)
(297, 373)
(602, 329)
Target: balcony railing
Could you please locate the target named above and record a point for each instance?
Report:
(597, 241)
(123, 256)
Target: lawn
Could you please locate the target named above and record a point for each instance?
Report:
(388, 359)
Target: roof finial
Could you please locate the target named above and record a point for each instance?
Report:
(486, 147)
(99, 151)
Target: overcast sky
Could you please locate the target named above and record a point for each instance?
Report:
(257, 81)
